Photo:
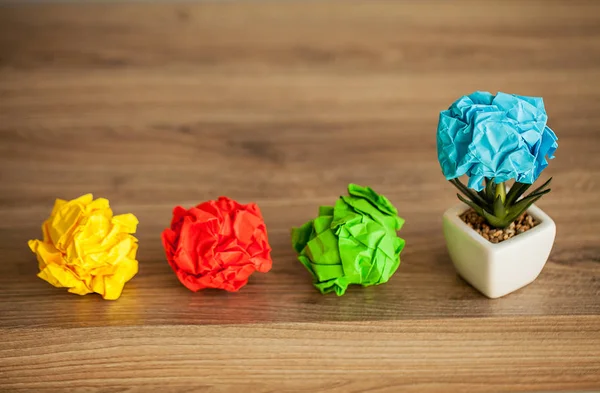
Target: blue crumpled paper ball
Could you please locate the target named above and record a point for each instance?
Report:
(502, 137)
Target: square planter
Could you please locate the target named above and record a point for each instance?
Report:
(501, 268)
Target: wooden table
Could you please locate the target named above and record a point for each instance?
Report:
(284, 104)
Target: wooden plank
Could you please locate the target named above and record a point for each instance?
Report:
(488, 355)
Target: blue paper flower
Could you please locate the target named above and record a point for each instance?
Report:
(502, 137)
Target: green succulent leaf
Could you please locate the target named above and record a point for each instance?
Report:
(499, 210)
(472, 195)
(540, 193)
(515, 192)
(496, 222)
(471, 204)
(520, 207)
(482, 195)
(543, 186)
(489, 190)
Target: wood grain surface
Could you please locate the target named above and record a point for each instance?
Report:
(284, 104)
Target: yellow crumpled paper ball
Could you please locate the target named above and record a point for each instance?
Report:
(86, 248)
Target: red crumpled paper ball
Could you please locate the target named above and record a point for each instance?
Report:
(217, 244)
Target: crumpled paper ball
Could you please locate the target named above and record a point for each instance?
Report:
(353, 242)
(217, 244)
(501, 137)
(87, 249)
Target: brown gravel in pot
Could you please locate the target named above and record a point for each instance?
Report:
(522, 224)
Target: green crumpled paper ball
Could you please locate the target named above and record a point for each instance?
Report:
(354, 242)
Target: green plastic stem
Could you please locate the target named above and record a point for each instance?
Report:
(501, 190)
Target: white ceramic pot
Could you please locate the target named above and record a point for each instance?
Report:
(501, 268)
